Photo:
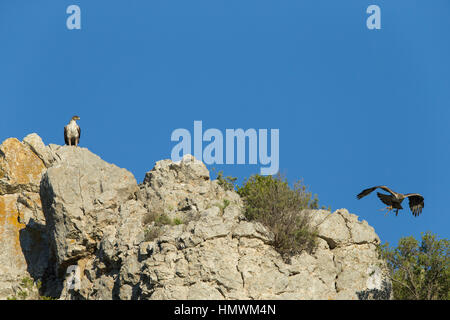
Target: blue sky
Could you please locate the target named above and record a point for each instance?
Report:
(355, 107)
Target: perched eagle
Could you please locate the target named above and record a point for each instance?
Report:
(72, 132)
(394, 200)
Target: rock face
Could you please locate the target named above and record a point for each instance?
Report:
(83, 196)
(23, 237)
(178, 235)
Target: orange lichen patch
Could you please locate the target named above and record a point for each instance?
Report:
(82, 264)
(10, 230)
(35, 200)
(31, 200)
(19, 163)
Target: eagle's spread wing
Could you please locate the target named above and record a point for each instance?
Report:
(387, 190)
(66, 140)
(416, 203)
(367, 191)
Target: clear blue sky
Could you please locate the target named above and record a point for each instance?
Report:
(355, 107)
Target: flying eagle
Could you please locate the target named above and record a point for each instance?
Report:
(72, 132)
(394, 200)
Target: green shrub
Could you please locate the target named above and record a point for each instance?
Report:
(151, 233)
(156, 215)
(28, 283)
(177, 221)
(154, 220)
(158, 218)
(419, 271)
(223, 206)
(163, 219)
(28, 289)
(149, 218)
(271, 201)
(228, 183)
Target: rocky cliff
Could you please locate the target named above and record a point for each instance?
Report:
(178, 235)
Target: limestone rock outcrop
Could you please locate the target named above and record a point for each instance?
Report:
(23, 239)
(178, 235)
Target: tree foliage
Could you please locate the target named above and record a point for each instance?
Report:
(419, 271)
(228, 182)
(271, 201)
